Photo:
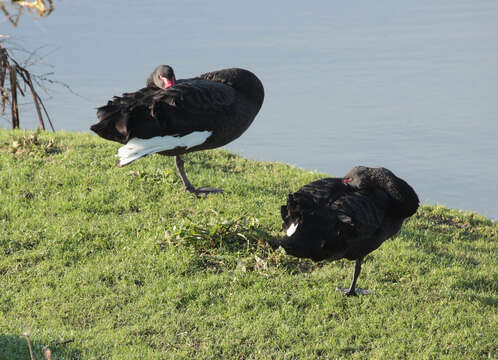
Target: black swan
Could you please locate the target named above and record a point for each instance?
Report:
(174, 117)
(347, 217)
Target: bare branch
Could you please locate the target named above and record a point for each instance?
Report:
(20, 78)
(7, 62)
(38, 6)
(13, 96)
(46, 113)
(12, 20)
(35, 100)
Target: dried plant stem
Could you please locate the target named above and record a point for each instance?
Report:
(38, 5)
(29, 346)
(47, 353)
(46, 113)
(10, 64)
(64, 342)
(11, 18)
(13, 96)
(35, 100)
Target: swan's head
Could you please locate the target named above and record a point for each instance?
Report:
(163, 77)
(358, 177)
(404, 198)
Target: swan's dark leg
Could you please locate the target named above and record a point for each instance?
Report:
(357, 269)
(181, 170)
(188, 186)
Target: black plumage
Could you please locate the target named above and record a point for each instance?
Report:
(347, 217)
(223, 102)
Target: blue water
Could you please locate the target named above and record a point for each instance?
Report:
(411, 86)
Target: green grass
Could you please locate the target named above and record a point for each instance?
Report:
(127, 265)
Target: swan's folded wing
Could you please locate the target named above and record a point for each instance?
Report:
(322, 192)
(362, 214)
(188, 107)
(197, 97)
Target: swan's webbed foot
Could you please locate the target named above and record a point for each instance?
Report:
(205, 190)
(349, 292)
(355, 292)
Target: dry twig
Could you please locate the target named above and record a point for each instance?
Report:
(26, 335)
(8, 63)
(42, 8)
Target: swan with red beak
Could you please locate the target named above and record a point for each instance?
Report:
(348, 217)
(176, 116)
(163, 77)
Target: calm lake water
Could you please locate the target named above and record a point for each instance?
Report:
(411, 86)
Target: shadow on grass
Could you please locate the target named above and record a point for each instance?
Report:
(450, 226)
(436, 251)
(226, 168)
(488, 300)
(273, 190)
(15, 347)
(477, 283)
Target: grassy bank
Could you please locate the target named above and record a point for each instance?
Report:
(100, 262)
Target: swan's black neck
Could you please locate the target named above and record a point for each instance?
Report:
(403, 198)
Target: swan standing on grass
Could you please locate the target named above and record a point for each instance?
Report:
(347, 217)
(174, 117)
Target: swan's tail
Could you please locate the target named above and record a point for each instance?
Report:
(137, 148)
(111, 125)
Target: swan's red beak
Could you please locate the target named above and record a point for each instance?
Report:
(346, 180)
(167, 83)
